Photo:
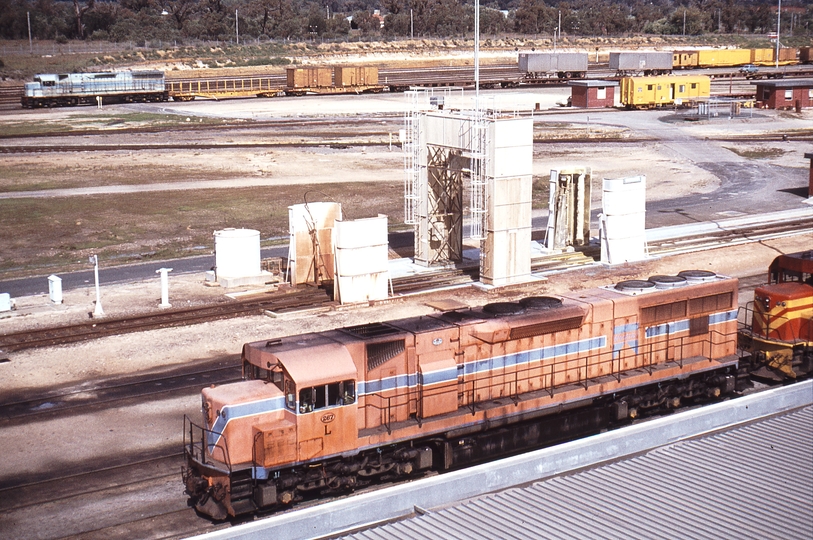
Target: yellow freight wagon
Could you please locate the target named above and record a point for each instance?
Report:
(684, 59)
(762, 57)
(649, 92)
(724, 57)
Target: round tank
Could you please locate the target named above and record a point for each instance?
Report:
(237, 253)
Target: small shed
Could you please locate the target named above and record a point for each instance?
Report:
(784, 93)
(593, 93)
(810, 182)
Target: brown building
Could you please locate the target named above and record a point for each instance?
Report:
(784, 93)
(593, 93)
(810, 182)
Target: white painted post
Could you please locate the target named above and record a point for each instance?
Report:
(97, 311)
(164, 286)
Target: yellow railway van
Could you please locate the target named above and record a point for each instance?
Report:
(648, 92)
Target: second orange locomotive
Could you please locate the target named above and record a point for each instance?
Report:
(332, 411)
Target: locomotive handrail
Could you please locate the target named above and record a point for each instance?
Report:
(554, 375)
(548, 375)
(386, 410)
(198, 449)
(772, 324)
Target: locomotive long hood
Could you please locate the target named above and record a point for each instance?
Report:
(542, 322)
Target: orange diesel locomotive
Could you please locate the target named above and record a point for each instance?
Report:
(332, 411)
(778, 332)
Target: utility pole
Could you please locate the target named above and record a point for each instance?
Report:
(778, 19)
(477, 57)
(236, 27)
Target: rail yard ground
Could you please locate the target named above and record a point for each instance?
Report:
(48, 447)
(131, 204)
(137, 182)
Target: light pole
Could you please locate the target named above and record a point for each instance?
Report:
(97, 311)
(778, 19)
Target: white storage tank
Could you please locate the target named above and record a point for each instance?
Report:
(237, 253)
(623, 229)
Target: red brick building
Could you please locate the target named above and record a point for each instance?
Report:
(784, 93)
(593, 93)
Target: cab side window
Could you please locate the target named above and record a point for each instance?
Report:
(290, 395)
(329, 395)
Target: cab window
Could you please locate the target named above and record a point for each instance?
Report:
(328, 395)
(272, 375)
(290, 395)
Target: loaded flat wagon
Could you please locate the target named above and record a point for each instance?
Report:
(652, 92)
(641, 63)
(544, 65)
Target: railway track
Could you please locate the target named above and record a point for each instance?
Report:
(120, 389)
(298, 299)
(303, 298)
(729, 237)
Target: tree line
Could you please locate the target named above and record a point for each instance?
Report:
(188, 20)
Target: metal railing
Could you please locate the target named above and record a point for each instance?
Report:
(782, 327)
(549, 376)
(198, 447)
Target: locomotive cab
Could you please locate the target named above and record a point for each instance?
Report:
(778, 332)
(292, 408)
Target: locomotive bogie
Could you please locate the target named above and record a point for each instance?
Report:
(335, 410)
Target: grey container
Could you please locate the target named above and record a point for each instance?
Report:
(541, 62)
(640, 61)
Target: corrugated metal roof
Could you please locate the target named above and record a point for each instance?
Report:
(752, 481)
